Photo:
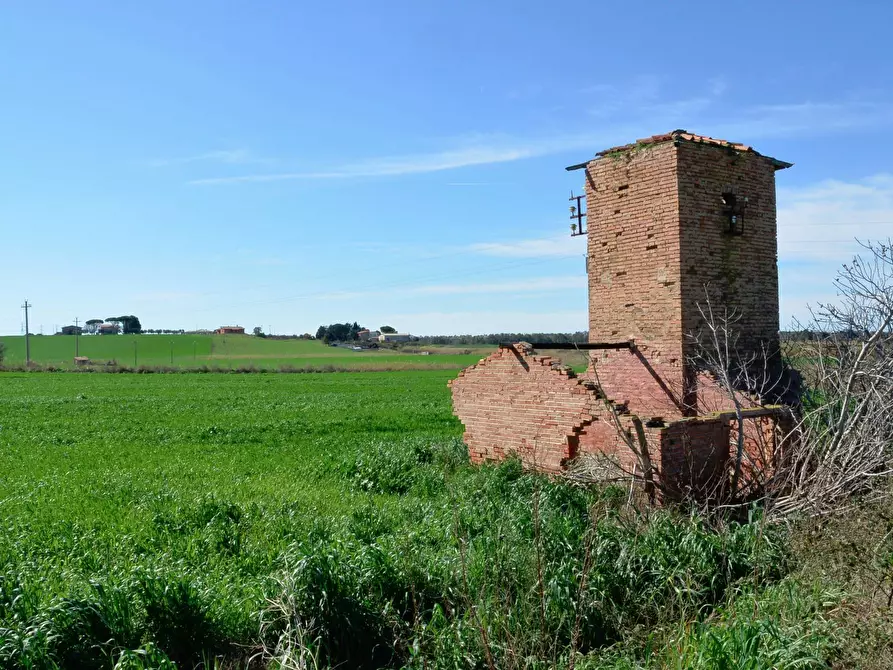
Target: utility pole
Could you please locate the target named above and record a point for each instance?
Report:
(76, 343)
(25, 307)
(134, 353)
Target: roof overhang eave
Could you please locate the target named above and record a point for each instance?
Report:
(578, 166)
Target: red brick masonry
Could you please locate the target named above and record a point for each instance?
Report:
(660, 240)
(516, 402)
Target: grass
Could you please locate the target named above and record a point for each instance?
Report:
(228, 352)
(333, 521)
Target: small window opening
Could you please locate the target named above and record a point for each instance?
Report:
(733, 208)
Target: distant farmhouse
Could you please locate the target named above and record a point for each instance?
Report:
(109, 329)
(394, 337)
(366, 335)
(230, 330)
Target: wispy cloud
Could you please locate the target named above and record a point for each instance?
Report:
(786, 120)
(624, 114)
(485, 152)
(226, 156)
(562, 245)
(821, 222)
(514, 286)
(707, 111)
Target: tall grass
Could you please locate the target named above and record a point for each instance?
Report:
(322, 521)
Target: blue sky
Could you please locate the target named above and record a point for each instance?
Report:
(287, 164)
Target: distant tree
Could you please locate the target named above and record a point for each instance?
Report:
(129, 324)
(92, 325)
(258, 332)
(339, 332)
(388, 329)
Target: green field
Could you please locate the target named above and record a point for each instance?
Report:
(231, 351)
(332, 520)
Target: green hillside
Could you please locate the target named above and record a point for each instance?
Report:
(224, 351)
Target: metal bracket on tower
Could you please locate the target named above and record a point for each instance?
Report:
(577, 215)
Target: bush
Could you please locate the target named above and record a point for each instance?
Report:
(178, 617)
(397, 467)
(87, 631)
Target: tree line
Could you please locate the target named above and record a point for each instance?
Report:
(495, 338)
(127, 324)
(345, 332)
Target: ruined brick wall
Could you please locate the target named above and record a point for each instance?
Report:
(693, 456)
(529, 405)
(518, 402)
(634, 283)
(611, 436)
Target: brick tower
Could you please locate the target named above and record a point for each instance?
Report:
(671, 218)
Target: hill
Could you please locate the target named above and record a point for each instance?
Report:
(225, 351)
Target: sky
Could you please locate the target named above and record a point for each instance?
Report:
(288, 164)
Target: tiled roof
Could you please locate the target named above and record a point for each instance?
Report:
(685, 136)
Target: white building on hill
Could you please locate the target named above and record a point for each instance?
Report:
(394, 337)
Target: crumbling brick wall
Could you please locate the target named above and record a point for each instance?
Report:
(516, 402)
(694, 454)
(529, 405)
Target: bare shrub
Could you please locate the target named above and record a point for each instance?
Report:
(839, 440)
(845, 444)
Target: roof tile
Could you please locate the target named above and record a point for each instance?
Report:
(680, 134)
